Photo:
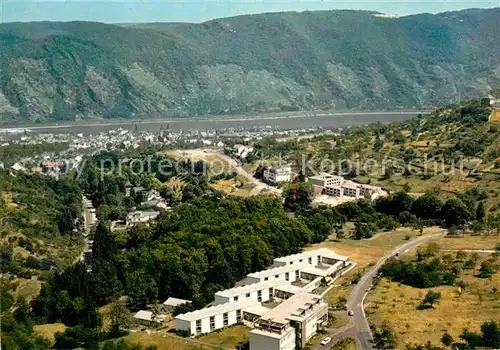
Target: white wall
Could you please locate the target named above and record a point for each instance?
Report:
(261, 342)
(183, 325)
(205, 323)
(311, 322)
(221, 299)
(254, 295)
(281, 276)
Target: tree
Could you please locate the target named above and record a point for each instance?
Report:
(385, 338)
(477, 226)
(491, 334)
(155, 311)
(430, 298)
(447, 339)
(141, 289)
(298, 196)
(480, 211)
(428, 206)
(455, 212)
(377, 145)
(488, 268)
(340, 234)
(461, 255)
(119, 317)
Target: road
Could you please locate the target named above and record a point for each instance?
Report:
(259, 185)
(359, 327)
(88, 223)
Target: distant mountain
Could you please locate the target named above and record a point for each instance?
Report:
(268, 62)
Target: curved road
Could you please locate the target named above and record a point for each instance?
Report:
(361, 327)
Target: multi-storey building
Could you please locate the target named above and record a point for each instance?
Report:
(211, 318)
(278, 173)
(259, 292)
(303, 313)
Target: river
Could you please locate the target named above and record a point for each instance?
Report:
(329, 121)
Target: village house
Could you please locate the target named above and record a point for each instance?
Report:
(278, 173)
(146, 318)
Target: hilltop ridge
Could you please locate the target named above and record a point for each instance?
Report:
(325, 60)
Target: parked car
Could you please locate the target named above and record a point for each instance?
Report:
(350, 313)
(326, 341)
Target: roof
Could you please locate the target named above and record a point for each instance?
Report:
(325, 176)
(278, 270)
(316, 272)
(233, 292)
(216, 310)
(290, 288)
(148, 316)
(330, 254)
(267, 334)
(258, 310)
(291, 308)
(176, 302)
(310, 253)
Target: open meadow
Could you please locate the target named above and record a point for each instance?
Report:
(458, 308)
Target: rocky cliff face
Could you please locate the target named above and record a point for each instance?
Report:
(268, 62)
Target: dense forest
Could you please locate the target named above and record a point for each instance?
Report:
(37, 217)
(208, 240)
(327, 60)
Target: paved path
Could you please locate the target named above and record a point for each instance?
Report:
(259, 185)
(359, 327)
(470, 250)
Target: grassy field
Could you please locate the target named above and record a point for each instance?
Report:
(495, 116)
(49, 330)
(27, 289)
(468, 242)
(228, 337)
(397, 304)
(225, 339)
(365, 252)
(345, 344)
(217, 164)
(234, 187)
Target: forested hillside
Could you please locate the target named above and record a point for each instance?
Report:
(269, 62)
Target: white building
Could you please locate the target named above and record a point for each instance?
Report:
(212, 318)
(172, 303)
(146, 318)
(288, 273)
(326, 180)
(321, 270)
(304, 313)
(277, 339)
(259, 292)
(138, 217)
(337, 186)
(278, 173)
(299, 310)
(312, 257)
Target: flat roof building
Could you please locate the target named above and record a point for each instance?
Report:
(305, 313)
(172, 303)
(145, 318)
(211, 318)
(260, 292)
(289, 273)
(311, 257)
(325, 180)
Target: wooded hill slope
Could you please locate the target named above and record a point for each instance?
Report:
(268, 62)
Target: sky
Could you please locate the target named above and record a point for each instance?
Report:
(122, 11)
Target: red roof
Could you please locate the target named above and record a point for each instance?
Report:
(48, 164)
